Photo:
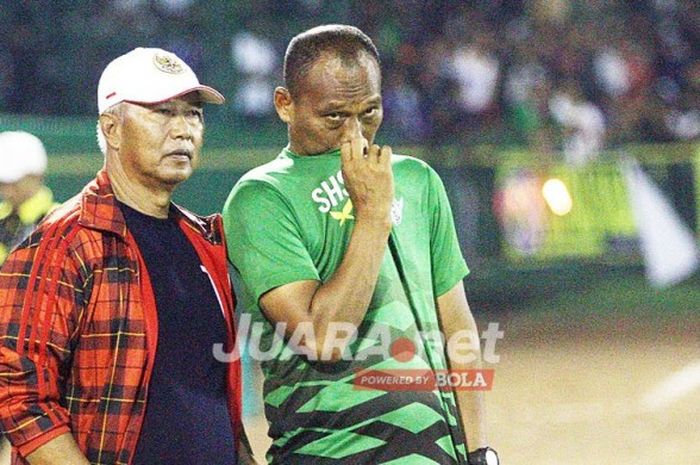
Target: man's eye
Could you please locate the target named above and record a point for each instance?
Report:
(164, 111)
(334, 116)
(371, 111)
(196, 114)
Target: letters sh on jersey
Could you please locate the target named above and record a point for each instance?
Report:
(331, 193)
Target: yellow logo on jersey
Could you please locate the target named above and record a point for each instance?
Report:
(344, 215)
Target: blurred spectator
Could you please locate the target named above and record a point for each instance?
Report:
(476, 70)
(463, 69)
(255, 61)
(129, 5)
(555, 12)
(583, 123)
(402, 109)
(438, 94)
(175, 7)
(526, 92)
(684, 121)
(612, 72)
(25, 198)
(645, 121)
(253, 55)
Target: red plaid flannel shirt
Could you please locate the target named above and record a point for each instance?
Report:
(78, 328)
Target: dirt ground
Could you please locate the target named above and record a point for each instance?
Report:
(590, 392)
(596, 394)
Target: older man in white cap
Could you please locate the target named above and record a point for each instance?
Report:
(24, 199)
(110, 311)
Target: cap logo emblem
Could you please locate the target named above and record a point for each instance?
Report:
(168, 63)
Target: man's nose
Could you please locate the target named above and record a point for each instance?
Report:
(180, 127)
(353, 129)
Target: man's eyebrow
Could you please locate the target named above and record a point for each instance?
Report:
(340, 104)
(334, 105)
(153, 106)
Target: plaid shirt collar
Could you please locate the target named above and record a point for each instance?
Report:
(99, 210)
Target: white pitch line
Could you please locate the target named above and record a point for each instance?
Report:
(674, 387)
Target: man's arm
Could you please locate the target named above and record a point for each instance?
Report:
(455, 316)
(62, 450)
(41, 298)
(345, 297)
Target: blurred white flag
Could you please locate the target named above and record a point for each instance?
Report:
(669, 247)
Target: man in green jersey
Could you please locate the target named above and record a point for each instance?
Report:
(351, 253)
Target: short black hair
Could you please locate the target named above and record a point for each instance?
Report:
(346, 42)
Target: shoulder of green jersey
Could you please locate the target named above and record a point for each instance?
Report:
(269, 171)
(408, 161)
(410, 165)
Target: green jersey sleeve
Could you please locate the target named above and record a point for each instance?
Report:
(264, 242)
(448, 265)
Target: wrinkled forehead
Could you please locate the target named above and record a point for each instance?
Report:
(332, 77)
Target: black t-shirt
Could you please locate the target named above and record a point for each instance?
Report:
(187, 418)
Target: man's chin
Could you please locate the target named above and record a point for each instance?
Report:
(175, 177)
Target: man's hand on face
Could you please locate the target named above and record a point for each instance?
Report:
(369, 180)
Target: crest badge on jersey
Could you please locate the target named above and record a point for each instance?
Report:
(168, 63)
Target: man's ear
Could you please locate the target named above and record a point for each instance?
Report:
(284, 104)
(109, 125)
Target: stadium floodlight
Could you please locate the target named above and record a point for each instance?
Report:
(557, 196)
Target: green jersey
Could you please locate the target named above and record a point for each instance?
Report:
(291, 220)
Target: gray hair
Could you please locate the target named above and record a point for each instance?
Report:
(117, 110)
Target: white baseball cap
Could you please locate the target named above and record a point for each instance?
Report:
(149, 75)
(21, 154)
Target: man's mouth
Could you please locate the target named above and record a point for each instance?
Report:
(180, 153)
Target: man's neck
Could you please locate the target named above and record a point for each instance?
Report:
(151, 201)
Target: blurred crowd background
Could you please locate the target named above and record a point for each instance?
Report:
(498, 95)
(526, 108)
(556, 76)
